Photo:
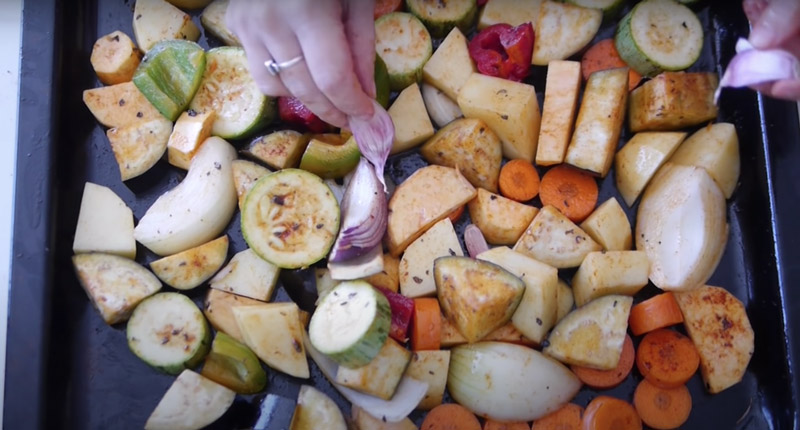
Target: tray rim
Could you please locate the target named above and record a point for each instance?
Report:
(34, 209)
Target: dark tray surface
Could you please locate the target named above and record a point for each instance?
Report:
(67, 369)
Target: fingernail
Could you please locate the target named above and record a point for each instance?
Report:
(761, 37)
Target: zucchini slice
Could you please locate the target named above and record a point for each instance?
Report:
(404, 44)
(170, 74)
(442, 16)
(290, 218)
(168, 332)
(330, 160)
(351, 323)
(229, 89)
(191, 402)
(658, 35)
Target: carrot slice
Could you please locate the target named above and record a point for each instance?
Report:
(456, 214)
(667, 358)
(569, 417)
(382, 7)
(571, 191)
(662, 408)
(518, 180)
(605, 379)
(603, 55)
(450, 416)
(608, 413)
(426, 325)
(494, 425)
(654, 313)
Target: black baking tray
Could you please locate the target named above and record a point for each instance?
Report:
(65, 369)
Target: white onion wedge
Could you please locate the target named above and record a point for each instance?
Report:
(508, 382)
(407, 396)
(198, 209)
(681, 226)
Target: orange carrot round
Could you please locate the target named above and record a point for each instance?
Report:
(569, 417)
(608, 413)
(662, 408)
(426, 325)
(450, 416)
(603, 55)
(495, 425)
(382, 7)
(605, 379)
(654, 313)
(518, 180)
(667, 358)
(571, 191)
(456, 214)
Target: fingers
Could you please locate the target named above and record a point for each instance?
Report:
(777, 24)
(753, 9)
(329, 57)
(786, 89)
(359, 28)
(298, 79)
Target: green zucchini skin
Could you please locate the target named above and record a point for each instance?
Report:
(170, 74)
(330, 161)
(434, 14)
(404, 65)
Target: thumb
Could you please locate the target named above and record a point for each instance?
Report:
(777, 23)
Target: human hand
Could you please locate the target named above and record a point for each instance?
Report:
(336, 39)
(776, 25)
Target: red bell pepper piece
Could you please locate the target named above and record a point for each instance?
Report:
(402, 310)
(503, 51)
(293, 111)
(482, 2)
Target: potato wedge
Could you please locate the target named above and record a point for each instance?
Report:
(381, 375)
(558, 112)
(247, 275)
(609, 226)
(536, 313)
(157, 20)
(512, 12)
(470, 146)
(274, 333)
(213, 20)
(218, 308)
(610, 272)
(245, 175)
(477, 296)
(364, 421)
(430, 367)
(412, 123)
(389, 277)
(599, 122)
(191, 402)
(640, 158)
(138, 146)
(716, 149)
(509, 108)
(682, 226)
(114, 284)
(416, 266)
(506, 333)
(592, 335)
(673, 100)
(565, 300)
(315, 410)
(119, 105)
(115, 58)
(105, 223)
(427, 196)
(562, 30)
(280, 149)
(190, 131)
(502, 221)
(188, 269)
(717, 323)
(450, 65)
(555, 240)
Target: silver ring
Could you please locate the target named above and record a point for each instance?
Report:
(275, 68)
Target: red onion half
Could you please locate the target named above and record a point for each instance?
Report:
(364, 215)
(751, 66)
(374, 137)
